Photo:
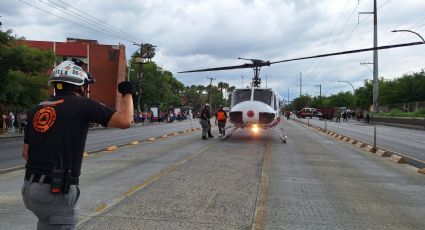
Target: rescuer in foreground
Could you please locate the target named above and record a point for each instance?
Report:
(54, 143)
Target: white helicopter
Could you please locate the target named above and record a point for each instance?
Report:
(256, 107)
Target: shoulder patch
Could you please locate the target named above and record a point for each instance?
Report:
(44, 119)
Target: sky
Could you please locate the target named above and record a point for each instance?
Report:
(198, 34)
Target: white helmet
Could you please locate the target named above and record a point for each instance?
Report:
(69, 72)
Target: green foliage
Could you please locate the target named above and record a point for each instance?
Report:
(23, 72)
(399, 113)
(408, 88)
(157, 86)
(301, 102)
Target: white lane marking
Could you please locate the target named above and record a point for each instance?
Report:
(420, 141)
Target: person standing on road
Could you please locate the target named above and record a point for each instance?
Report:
(288, 115)
(12, 121)
(220, 119)
(338, 117)
(205, 122)
(54, 143)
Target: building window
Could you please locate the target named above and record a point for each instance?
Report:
(112, 55)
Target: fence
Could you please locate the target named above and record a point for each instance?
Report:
(20, 117)
(405, 107)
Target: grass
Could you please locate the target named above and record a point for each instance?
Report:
(398, 113)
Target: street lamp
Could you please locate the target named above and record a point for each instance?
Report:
(410, 32)
(354, 91)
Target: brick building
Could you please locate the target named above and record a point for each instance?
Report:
(107, 63)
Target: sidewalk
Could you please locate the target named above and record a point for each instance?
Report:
(11, 134)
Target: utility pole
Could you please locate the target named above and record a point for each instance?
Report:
(320, 90)
(140, 60)
(375, 81)
(375, 59)
(301, 83)
(288, 97)
(209, 94)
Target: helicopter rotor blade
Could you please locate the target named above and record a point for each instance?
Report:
(352, 51)
(220, 68)
(260, 63)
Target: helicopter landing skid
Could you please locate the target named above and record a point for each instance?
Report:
(230, 132)
(281, 134)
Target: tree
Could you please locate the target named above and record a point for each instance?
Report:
(364, 96)
(157, 86)
(23, 72)
(301, 102)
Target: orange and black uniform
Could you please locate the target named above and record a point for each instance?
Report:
(57, 131)
(56, 137)
(221, 117)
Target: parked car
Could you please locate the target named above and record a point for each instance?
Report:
(307, 112)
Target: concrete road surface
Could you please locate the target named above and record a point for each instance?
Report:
(409, 142)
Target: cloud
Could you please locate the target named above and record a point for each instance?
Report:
(193, 34)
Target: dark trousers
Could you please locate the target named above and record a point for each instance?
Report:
(206, 127)
(221, 125)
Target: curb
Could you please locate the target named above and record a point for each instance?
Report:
(395, 157)
(113, 147)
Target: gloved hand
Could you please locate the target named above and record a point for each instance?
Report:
(125, 87)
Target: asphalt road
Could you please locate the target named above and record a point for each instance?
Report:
(408, 142)
(244, 182)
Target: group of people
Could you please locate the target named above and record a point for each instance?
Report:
(10, 122)
(205, 121)
(345, 115)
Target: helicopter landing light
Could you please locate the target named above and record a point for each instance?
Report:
(250, 114)
(255, 128)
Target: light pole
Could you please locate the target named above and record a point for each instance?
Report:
(320, 89)
(354, 91)
(410, 32)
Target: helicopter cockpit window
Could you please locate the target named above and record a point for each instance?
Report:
(241, 95)
(264, 96)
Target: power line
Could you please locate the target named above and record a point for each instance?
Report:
(96, 19)
(73, 22)
(114, 29)
(336, 39)
(330, 37)
(349, 35)
(96, 28)
(85, 20)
